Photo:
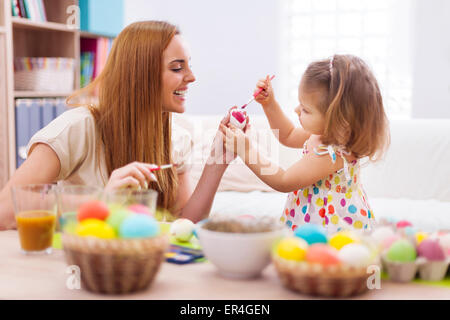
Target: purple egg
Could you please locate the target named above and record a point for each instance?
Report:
(431, 250)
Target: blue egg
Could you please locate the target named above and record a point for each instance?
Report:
(311, 234)
(139, 226)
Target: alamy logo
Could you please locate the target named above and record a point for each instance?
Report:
(73, 21)
(374, 280)
(74, 280)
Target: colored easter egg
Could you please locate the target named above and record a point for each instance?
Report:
(420, 236)
(311, 234)
(431, 250)
(139, 226)
(341, 239)
(116, 218)
(379, 234)
(322, 254)
(292, 249)
(182, 229)
(238, 119)
(93, 210)
(355, 255)
(403, 224)
(139, 208)
(95, 228)
(401, 251)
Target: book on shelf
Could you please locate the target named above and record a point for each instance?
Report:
(94, 53)
(15, 10)
(87, 68)
(31, 116)
(29, 9)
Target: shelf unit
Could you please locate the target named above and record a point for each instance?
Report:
(24, 23)
(21, 37)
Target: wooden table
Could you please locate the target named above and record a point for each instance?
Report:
(45, 277)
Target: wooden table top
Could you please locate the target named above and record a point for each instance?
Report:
(45, 277)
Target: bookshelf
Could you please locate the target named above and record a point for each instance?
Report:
(21, 37)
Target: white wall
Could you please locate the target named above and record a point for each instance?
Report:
(431, 71)
(233, 43)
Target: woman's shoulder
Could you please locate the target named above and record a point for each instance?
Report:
(79, 117)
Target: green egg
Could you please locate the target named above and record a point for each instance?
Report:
(115, 218)
(402, 251)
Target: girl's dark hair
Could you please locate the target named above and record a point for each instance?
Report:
(352, 105)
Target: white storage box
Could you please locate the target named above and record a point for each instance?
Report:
(44, 74)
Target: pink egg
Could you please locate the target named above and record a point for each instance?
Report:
(239, 116)
(322, 254)
(387, 242)
(139, 208)
(403, 224)
(431, 250)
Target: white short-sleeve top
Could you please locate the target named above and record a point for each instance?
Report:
(73, 138)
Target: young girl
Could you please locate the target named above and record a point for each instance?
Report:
(343, 120)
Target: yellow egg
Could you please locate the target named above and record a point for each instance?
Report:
(342, 239)
(95, 228)
(420, 236)
(292, 249)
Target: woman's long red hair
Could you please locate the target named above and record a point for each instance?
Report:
(128, 111)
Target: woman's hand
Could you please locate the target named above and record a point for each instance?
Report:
(235, 141)
(219, 154)
(266, 97)
(134, 175)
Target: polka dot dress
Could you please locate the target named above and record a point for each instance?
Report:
(335, 202)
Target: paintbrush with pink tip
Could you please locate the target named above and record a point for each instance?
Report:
(165, 166)
(237, 116)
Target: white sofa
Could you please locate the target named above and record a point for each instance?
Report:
(412, 182)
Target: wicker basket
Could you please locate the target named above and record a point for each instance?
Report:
(317, 280)
(115, 266)
(44, 74)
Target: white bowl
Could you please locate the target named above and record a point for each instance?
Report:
(238, 255)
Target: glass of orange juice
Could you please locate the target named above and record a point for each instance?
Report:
(35, 212)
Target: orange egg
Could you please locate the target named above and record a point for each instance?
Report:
(322, 254)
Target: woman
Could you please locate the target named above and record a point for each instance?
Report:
(115, 142)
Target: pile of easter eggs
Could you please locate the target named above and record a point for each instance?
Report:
(125, 238)
(405, 251)
(311, 262)
(99, 220)
(310, 244)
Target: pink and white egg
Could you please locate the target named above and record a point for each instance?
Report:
(238, 118)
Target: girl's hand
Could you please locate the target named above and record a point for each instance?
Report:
(134, 175)
(219, 154)
(266, 97)
(235, 140)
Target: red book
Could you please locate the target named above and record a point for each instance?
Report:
(90, 45)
